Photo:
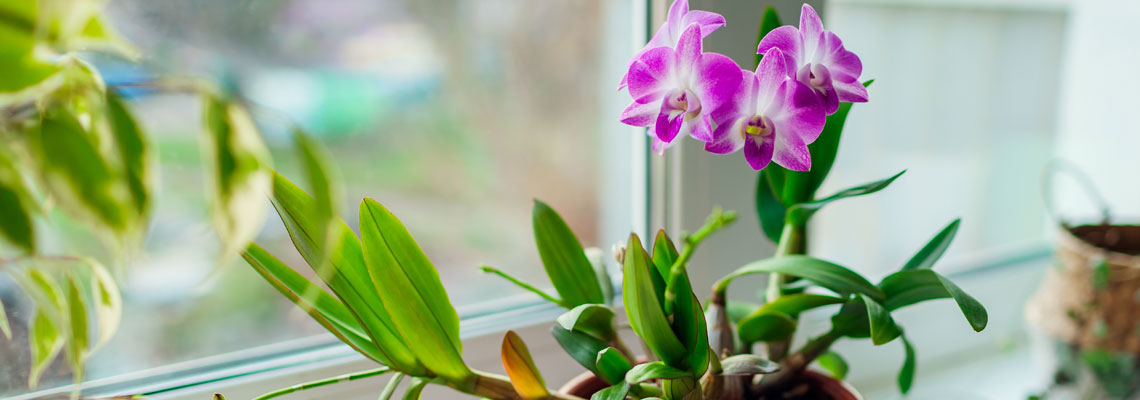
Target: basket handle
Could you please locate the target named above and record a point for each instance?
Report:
(1059, 166)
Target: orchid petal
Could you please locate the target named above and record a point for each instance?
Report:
(771, 72)
(788, 40)
(802, 115)
(677, 15)
(853, 92)
(668, 123)
(709, 21)
(640, 114)
(651, 72)
(715, 81)
(689, 47)
(811, 27)
(726, 138)
(758, 153)
(791, 152)
(701, 128)
(844, 65)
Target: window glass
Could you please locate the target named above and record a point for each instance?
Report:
(966, 101)
(455, 114)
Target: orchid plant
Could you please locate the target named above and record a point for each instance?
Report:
(387, 301)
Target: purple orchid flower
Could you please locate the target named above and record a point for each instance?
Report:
(817, 58)
(676, 90)
(772, 116)
(667, 36)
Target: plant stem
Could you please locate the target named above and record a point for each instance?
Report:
(390, 388)
(791, 242)
(796, 363)
(324, 382)
(717, 220)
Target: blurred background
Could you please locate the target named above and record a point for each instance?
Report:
(456, 114)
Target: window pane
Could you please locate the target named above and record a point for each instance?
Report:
(955, 104)
(454, 114)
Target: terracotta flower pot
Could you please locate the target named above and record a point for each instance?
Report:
(811, 386)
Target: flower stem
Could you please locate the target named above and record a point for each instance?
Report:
(717, 220)
(324, 382)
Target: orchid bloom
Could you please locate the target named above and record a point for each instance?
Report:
(772, 116)
(816, 57)
(679, 18)
(676, 90)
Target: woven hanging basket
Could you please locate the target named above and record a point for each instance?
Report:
(1091, 298)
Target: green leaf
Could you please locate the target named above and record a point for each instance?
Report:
(612, 365)
(653, 370)
(794, 304)
(748, 364)
(1101, 274)
(411, 291)
(738, 310)
(690, 326)
(314, 301)
(107, 302)
(564, 259)
(46, 341)
(770, 21)
(883, 328)
(4, 327)
(348, 278)
(796, 187)
(415, 389)
(824, 273)
(904, 288)
(906, 374)
(664, 254)
(933, 249)
(835, 364)
(134, 151)
(851, 320)
(768, 206)
(581, 347)
(615, 392)
(15, 220)
(800, 213)
(75, 171)
(766, 327)
(239, 164)
(520, 367)
(643, 305)
(77, 335)
(525, 286)
(319, 172)
(22, 71)
(594, 319)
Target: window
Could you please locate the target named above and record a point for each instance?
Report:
(456, 115)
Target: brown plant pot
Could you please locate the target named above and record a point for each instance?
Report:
(811, 386)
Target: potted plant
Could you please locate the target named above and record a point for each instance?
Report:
(385, 291)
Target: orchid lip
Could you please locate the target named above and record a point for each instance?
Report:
(816, 76)
(683, 101)
(758, 126)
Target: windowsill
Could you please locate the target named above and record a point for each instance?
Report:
(1005, 374)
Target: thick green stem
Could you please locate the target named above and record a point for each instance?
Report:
(681, 389)
(791, 242)
(324, 382)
